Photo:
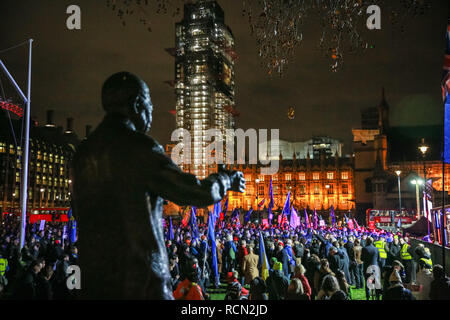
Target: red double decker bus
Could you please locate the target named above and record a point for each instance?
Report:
(384, 217)
(47, 214)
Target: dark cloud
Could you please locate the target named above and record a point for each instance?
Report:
(70, 66)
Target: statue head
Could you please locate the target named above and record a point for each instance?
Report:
(127, 95)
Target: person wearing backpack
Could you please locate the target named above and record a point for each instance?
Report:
(230, 254)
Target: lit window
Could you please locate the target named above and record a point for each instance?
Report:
(248, 177)
(302, 176)
(316, 188)
(302, 189)
(330, 175)
(288, 177)
(316, 176)
(261, 177)
(345, 189)
(344, 175)
(330, 189)
(2, 147)
(275, 177)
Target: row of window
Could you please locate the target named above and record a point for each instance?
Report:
(301, 176)
(302, 189)
(40, 155)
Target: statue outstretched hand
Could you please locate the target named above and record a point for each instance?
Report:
(236, 178)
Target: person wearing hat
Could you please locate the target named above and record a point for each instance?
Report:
(258, 290)
(234, 292)
(380, 244)
(387, 271)
(396, 290)
(188, 289)
(424, 277)
(283, 257)
(277, 283)
(394, 251)
(407, 256)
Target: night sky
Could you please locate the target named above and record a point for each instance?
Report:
(69, 68)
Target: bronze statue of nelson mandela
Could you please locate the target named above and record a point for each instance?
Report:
(120, 178)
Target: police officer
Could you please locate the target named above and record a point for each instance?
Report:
(427, 258)
(380, 244)
(406, 255)
(3, 268)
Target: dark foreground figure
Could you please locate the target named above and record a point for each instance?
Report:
(121, 177)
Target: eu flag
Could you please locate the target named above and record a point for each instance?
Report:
(247, 216)
(271, 204)
(171, 235)
(445, 86)
(286, 204)
(73, 230)
(193, 223)
(212, 238)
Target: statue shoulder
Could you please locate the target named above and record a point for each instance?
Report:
(149, 142)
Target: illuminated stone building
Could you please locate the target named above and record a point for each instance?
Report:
(314, 184)
(51, 151)
(204, 79)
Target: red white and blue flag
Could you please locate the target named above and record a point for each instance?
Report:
(445, 85)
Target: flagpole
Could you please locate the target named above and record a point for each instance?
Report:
(24, 186)
(443, 188)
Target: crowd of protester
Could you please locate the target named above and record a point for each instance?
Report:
(39, 270)
(304, 264)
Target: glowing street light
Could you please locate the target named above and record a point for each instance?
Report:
(417, 183)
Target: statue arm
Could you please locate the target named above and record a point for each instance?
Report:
(166, 179)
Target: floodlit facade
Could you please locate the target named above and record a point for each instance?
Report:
(204, 80)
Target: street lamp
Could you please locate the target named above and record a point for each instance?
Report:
(417, 182)
(257, 203)
(42, 196)
(398, 172)
(423, 148)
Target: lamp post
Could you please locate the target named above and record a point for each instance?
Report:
(398, 172)
(257, 199)
(423, 148)
(417, 182)
(41, 198)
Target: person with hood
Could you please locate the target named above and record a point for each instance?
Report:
(229, 254)
(440, 286)
(258, 289)
(277, 283)
(188, 289)
(396, 290)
